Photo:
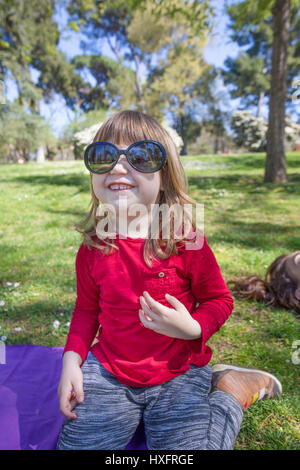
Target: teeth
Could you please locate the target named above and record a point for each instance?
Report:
(119, 186)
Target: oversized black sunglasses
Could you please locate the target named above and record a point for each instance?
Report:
(146, 156)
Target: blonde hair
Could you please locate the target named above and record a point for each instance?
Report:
(132, 126)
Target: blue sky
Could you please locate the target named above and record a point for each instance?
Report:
(218, 48)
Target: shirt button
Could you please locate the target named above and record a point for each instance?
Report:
(161, 274)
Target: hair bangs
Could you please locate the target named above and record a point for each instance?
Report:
(128, 127)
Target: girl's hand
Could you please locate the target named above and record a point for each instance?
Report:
(174, 322)
(70, 389)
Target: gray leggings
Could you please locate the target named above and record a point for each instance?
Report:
(178, 414)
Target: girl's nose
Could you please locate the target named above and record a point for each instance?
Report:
(121, 166)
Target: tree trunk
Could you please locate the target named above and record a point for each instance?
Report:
(216, 145)
(259, 104)
(275, 170)
(179, 127)
(40, 154)
(2, 94)
(138, 86)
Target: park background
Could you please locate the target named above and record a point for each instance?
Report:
(205, 70)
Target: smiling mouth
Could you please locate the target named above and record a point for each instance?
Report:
(118, 188)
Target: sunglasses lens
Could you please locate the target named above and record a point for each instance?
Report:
(100, 157)
(146, 156)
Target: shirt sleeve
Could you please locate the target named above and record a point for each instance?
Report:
(85, 318)
(211, 292)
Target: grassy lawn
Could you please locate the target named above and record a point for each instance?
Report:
(247, 224)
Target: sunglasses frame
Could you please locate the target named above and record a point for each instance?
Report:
(125, 152)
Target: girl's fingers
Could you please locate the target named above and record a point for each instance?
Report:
(146, 316)
(67, 403)
(69, 413)
(174, 301)
(147, 323)
(78, 391)
(154, 305)
(150, 308)
(66, 409)
(73, 401)
(146, 311)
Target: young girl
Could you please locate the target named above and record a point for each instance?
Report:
(154, 301)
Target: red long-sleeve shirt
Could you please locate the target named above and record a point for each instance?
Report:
(108, 290)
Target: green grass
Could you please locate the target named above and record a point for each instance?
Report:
(247, 224)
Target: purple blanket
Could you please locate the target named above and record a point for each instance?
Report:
(29, 411)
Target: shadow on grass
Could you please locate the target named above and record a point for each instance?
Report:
(82, 182)
(243, 183)
(260, 235)
(243, 162)
(78, 214)
(257, 161)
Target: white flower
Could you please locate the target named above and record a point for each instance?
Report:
(18, 329)
(3, 338)
(174, 136)
(2, 302)
(16, 284)
(86, 136)
(68, 324)
(9, 283)
(56, 324)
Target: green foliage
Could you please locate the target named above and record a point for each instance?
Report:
(84, 120)
(249, 13)
(138, 30)
(22, 132)
(196, 14)
(58, 76)
(114, 83)
(251, 28)
(248, 76)
(181, 82)
(29, 38)
(149, 32)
